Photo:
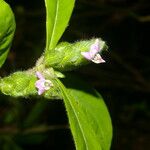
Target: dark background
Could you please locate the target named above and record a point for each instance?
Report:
(124, 81)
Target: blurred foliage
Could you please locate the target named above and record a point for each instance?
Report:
(124, 80)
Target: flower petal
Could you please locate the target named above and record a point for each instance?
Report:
(98, 59)
(39, 75)
(95, 48)
(42, 84)
(86, 55)
(41, 91)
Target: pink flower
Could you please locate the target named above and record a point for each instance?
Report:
(42, 84)
(93, 54)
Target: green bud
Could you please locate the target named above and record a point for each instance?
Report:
(7, 29)
(67, 56)
(22, 84)
(19, 84)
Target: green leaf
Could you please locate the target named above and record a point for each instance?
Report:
(7, 29)
(58, 14)
(88, 116)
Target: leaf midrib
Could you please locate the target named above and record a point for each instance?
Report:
(76, 115)
(54, 25)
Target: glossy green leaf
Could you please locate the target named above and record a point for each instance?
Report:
(58, 13)
(88, 116)
(7, 29)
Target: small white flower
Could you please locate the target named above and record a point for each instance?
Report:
(42, 84)
(93, 54)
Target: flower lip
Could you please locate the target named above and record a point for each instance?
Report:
(42, 84)
(93, 54)
(98, 59)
